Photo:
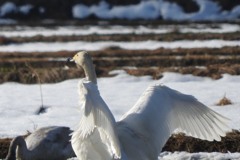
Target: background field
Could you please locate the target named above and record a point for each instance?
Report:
(191, 46)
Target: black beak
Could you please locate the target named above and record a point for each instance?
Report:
(69, 59)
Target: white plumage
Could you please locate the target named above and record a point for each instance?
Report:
(144, 129)
(96, 133)
(47, 143)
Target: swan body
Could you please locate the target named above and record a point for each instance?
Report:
(144, 129)
(47, 143)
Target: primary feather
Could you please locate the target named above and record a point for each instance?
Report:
(161, 110)
(144, 129)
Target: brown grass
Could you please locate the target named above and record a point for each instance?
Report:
(147, 62)
(173, 36)
(4, 145)
(178, 142)
(224, 101)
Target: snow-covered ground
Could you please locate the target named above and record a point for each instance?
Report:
(27, 31)
(199, 156)
(18, 102)
(208, 10)
(98, 45)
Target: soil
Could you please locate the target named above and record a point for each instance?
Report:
(172, 36)
(177, 142)
(52, 67)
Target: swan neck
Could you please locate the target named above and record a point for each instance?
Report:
(18, 149)
(20, 144)
(89, 71)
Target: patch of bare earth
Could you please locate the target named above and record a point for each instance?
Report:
(172, 36)
(52, 66)
(177, 142)
(180, 142)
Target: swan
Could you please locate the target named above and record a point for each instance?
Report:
(47, 143)
(143, 131)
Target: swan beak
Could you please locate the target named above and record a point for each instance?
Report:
(70, 59)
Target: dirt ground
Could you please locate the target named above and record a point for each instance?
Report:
(52, 67)
(177, 142)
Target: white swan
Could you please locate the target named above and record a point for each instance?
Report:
(48, 143)
(144, 129)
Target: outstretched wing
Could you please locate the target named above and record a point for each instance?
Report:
(161, 110)
(96, 131)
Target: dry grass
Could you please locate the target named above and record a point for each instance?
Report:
(173, 36)
(147, 62)
(224, 101)
(4, 145)
(178, 142)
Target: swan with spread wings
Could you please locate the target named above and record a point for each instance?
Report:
(144, 129)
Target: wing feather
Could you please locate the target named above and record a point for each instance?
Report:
(96, 121)
(161, 110)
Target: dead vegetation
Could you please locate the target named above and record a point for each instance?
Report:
(172, 36)
(180, 142)
(224, 101)
(177, 142)
(4, 145)
(51, 66)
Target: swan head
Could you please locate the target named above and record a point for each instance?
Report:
(83, 59)
(80, 58)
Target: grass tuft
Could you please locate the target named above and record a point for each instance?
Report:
(224, 101)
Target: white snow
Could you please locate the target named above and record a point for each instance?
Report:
(6, 8)
(7, 21)
(195, 156)
(218, 28)
(98, 45)
(18, 103)
(199, 156)
(26, 31)
(10, 7)
(23, 31)
(25, 9)
(209, 10)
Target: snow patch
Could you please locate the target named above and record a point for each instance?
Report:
(99, 45)
(7, 8)
(25, 9)
(209, 11)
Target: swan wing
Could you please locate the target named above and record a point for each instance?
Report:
(49, 136)
(97, 122)
(161, 110)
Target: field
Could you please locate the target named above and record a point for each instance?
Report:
(202, 50)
